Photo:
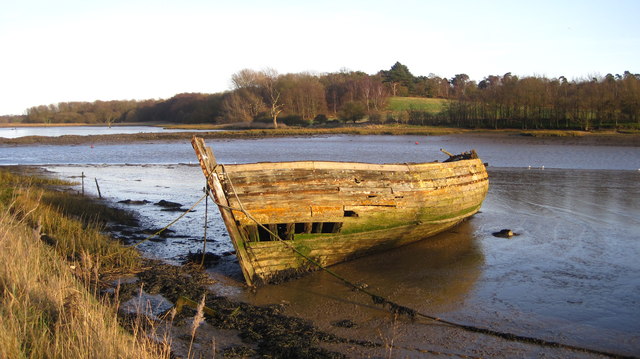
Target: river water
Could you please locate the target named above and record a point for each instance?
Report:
(572, 274)
(55, 131)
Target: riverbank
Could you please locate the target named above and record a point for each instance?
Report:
(60, 267)
(51, 267)
(597, 138)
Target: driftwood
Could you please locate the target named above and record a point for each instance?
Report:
(463, 156)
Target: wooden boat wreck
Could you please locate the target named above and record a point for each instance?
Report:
(280, 214)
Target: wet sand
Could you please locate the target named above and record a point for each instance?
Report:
(585, 139)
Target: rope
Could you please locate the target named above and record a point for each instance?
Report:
(403, 310)
(206, 213)
(173, 222)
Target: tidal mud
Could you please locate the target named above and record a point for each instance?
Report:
(570, 276)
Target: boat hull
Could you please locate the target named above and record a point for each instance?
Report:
(278, 214)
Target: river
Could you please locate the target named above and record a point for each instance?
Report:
(55, 131)
(571, 275)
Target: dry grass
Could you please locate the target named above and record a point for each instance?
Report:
(50, 267)
(67, 223)
(554, 133)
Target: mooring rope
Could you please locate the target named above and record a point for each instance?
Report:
(172, 222)
(206, 215)
(403, 310)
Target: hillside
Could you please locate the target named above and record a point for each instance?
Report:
(432, 105)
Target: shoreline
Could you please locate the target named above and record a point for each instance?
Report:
(237, 328)
(540, 137)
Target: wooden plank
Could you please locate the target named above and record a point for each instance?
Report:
(212, 172)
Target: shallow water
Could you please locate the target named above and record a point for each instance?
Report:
(374, 149)
(571, 275)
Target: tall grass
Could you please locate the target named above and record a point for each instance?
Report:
(49, 270)
(71, 225)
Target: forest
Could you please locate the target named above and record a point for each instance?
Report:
(267, 98)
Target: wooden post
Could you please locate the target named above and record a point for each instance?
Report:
(82, 183)
(98, 187)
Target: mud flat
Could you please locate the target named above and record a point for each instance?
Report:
(608, 138)
(569, 138)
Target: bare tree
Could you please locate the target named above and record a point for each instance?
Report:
(242, 105)
(246, 78)
(269, 84)
(264, 84)
(302, 94)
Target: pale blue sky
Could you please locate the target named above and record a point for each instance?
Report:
(85, 50)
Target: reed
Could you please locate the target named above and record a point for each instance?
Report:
(50, 269)
(554, 133)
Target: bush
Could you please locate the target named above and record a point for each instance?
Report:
(294, 120)
(352, 111)
(321, 119)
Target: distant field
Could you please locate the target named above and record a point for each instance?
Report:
(433, 105)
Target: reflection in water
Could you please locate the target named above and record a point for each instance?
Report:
(434, 274)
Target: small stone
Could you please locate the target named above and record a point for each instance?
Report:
(505, 233)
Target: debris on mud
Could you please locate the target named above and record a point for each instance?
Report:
(344, 323)
(209, 260)
(239, 351)
(263, 330)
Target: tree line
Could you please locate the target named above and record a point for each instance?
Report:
(530, 102)
(612, 101)
(303, 99)
(257, 96)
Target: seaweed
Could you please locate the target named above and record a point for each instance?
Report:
(264, 328)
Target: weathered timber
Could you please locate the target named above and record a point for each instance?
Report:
(335, 211)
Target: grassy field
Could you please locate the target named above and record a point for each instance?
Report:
(52, 260)
(433, 105)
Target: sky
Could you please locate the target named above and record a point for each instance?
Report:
(88, 50)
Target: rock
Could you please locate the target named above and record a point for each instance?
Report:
(505, 233)
(168, 204)
(138, 203)
(151, 305)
